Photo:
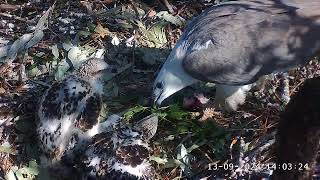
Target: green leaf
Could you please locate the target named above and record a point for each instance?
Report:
(6, 148)
(175, 112)
(27, 172)
(182, 129)
(132, 111)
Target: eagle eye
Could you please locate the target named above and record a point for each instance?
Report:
(159, 85)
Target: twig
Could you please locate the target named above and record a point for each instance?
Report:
(16, 17)
(9, 7)
(168, 5)
(135, 8)
(298, 85)
(12, 7)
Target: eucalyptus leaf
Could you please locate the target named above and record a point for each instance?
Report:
(27, 172)
(33, 70)
(4, 51)
(18, 46)
(176, 20)
(6, 149)
(172, 163)
(27, 40)
(74, 53)
(67, 45)
(196, 146)
(33, 171)
(182, 152)
(184, 157)
(77, 55)
(158, 160)
(37, 36)
(61, 70)
(55, 51)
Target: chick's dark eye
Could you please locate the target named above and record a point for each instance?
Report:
(159, 85)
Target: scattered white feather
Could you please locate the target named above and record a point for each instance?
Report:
(115, 41)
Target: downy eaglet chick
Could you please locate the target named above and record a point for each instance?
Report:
(69, 110)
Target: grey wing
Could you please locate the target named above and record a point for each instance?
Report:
(246, 42)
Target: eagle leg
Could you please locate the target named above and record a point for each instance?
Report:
(229, 98)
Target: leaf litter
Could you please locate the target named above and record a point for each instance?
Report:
(134, 37)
